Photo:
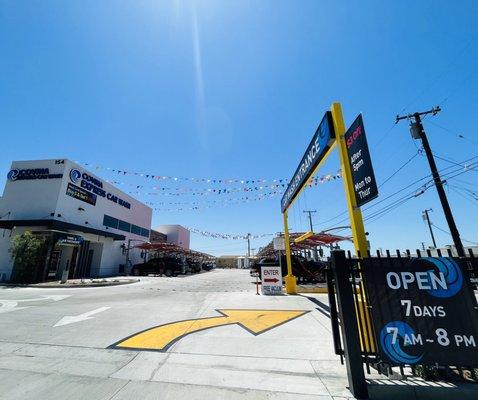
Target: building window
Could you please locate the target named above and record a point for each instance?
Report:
(136, 229)
(124, 226)
(110, 222)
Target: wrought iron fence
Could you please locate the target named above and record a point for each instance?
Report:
(369, 353)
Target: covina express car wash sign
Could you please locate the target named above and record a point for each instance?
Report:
(31, 174)
(90, 187)
(316, 151)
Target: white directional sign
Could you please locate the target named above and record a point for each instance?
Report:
(71, 319)
(12, 305)
(279, 243)
(271, 280)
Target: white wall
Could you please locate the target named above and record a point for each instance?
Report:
(176, 234)
(32, 199)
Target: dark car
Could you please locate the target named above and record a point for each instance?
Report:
(306, 271)
(194, 266)
(207, 266)
(169, 266)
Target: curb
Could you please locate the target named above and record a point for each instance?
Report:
(71, 285)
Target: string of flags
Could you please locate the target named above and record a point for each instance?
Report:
(215, 204)
(170, 191)
(226, 235)
(156, 177)
(230, 199)
(175, 178)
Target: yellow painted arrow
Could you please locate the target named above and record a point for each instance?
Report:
(163, 336)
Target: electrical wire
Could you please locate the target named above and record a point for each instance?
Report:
(400, 168)
(445, 231)
(397, 203)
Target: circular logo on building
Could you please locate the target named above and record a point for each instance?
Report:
(13, 175)
(75, 175)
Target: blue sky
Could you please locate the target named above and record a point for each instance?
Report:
(235, 89)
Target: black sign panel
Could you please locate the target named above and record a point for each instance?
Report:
(70, 240)
(81, 194)
(317, 150)
(423, 310)
(365, 185)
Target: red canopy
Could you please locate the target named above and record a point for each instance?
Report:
(170, 248)
(317, 239)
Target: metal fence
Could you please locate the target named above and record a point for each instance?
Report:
(352, 269)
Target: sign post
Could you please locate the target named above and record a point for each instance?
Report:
(290, 280)
(355, 215)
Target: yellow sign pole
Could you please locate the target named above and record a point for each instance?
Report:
(290, 280)
(355, 215)
(356, 222)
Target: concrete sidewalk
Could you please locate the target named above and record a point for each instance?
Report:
(292, 360)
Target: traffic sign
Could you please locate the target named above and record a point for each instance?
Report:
(365, 185)
(271, 280)
(279, 243)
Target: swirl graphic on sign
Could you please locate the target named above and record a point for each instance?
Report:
(75, 175)
(13, 175)
(389, 340)
(452, 273)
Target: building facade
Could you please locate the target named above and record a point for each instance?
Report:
(86, 222)
(176, 234)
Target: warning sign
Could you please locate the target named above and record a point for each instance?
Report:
(271, 280)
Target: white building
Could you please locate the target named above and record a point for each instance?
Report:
(86, 222)
(176, 234)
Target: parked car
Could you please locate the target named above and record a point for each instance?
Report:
(207, 266)
(306, 271)
(169, 266)
(194, 266)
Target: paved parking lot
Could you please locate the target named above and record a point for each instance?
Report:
(224, 342)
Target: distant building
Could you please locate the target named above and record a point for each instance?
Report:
(176, 234)
(157, 237)
(234, 262)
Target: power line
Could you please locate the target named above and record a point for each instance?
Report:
(399, 169)
(445, 231)
(397, 192)
(388, 208)
(453, 162)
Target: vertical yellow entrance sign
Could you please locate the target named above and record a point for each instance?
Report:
(290, 279)
(356, 223)
(355, 215)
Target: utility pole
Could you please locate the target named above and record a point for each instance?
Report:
(426, 217)
(316, 255)
(248, 237)
(418, 132)
(310, 218)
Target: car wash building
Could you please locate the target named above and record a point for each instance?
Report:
(87, 224)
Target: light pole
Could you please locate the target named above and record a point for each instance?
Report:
(426, 217)
(316, 255)
(248, 249)
(128, 247)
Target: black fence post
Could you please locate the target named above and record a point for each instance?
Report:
(348, 324)
(334, 318)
